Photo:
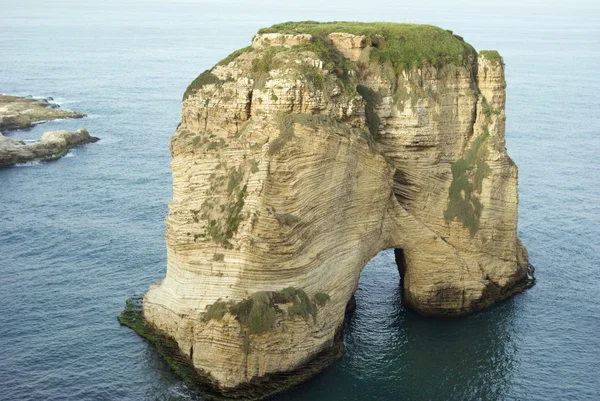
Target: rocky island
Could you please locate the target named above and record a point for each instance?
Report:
(24, 112)
(51, 146)
(302, 156)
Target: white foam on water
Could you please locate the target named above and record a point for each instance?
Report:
(180, 390)
(28, 164)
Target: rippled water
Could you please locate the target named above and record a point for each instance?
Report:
(82, 234)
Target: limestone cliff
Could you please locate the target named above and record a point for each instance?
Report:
(302, 156)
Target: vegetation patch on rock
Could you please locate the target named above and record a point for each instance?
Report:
(404, 46)
(468, 173)
(287, 219)
(206, 78)
(491, 55)
(199, 382)
(235, 55)
(372, 99)
(258, 313)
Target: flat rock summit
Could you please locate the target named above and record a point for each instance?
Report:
(302, 156)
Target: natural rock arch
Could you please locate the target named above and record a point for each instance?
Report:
(301, 157)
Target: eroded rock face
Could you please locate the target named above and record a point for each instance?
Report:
(294, 165)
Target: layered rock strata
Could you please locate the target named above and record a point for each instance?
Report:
(299, 158)
(51, 146)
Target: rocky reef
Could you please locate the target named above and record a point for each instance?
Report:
(302, 156)
(24, 112)
(51, 146)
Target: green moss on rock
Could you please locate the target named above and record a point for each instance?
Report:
(258, 313)
(215, 311)
(468, 173)
(301, 304)
(372, 99)
(287, 219)
(321, 298)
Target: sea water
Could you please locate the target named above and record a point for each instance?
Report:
(80, 235)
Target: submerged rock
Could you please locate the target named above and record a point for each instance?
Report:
(301, 157)
(51, 146)
(23, 112)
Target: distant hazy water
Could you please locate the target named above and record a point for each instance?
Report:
(80, 235)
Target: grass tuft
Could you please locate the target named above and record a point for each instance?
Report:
(262, 66)
(235, 55)
(206, 78)
(491, 55)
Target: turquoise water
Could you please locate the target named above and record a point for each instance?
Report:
(80, 235)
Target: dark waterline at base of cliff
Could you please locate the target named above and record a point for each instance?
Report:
(84, 233)
(475, 344)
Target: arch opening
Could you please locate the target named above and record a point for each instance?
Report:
(380, 282)
(397, 350)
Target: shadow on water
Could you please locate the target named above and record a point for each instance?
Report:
(390, 350)
(167, 386)
(394, 353)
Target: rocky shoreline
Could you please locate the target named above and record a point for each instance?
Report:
(25, 112)
(51, 146)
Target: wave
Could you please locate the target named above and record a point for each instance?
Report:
(28, 164)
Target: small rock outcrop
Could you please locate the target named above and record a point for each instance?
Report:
(53, 145)
(301, 157)
(23, 112)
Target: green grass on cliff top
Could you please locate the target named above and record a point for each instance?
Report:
(491, 55)
(405, 45)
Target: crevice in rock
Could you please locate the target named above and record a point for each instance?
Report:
(402, 189)
(249, 106)
(401, 263)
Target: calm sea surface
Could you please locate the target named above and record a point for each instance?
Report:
(81, 235)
